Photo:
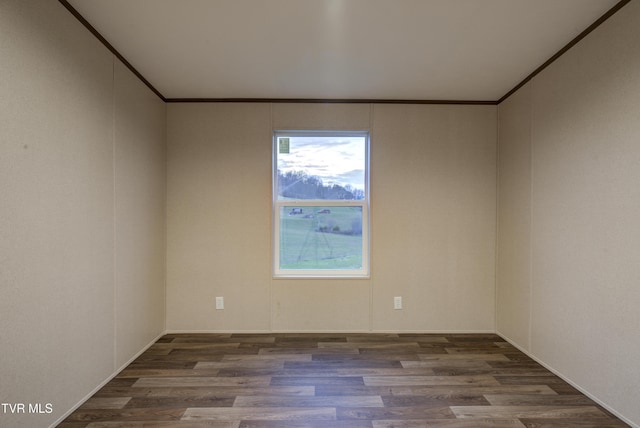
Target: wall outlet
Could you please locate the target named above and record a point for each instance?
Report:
(397, 302)
(219, 302)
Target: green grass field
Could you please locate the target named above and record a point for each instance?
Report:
(321, 240)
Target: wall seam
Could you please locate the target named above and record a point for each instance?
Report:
(166, 211)
(115, 242)
(497, 234)
(271, 226)
(531, 220)
(371, 276)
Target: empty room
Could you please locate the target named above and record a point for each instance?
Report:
(328, 213)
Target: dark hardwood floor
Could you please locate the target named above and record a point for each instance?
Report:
(337, 380)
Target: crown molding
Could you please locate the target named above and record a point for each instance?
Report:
(108, 45)
(324, 101)
(568, 46)
(537, 71)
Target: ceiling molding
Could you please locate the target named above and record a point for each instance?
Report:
(108, 45)
(323, 101)
(537, 71)
(568, 46)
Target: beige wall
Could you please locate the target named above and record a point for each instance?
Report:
(140, 196)
(433, 188)
(70, 211)
(82, 242)
(513, 268)
(433, 217)
(575, 131)
(218, 224)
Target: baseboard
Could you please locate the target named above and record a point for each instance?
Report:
(433, 332)
(217, 332)
(569, 381)
(104, 382)
(330, 331)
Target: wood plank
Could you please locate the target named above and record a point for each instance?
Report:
(106, 402)
(368, 372)
(172, 424)
(315, 380)
(356, 357)
(368, 345)
(465, 357)
(543, 412)
(448, 423)
(538, 400)
(196, 346)
(109, 391)
(305, 424)
(162, 363)
(138, 373)
(231, 391)
(429, 380)
(423, 338)
(344, 364)
(181, 402)
(164, 382)
(261, 413)
(315, 350)
(446, 364)
(573, 423)
(126, 415)
(320, 401)
(256, 338)
(276, 356)
(460, 371)
(400, 413)
(547, 379)
(435, 400)
(445, 390)
(273, 364)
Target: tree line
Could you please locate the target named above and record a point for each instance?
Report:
(300, 185)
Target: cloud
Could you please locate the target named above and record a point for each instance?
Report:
(338, 160)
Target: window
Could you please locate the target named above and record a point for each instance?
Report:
(321, 204)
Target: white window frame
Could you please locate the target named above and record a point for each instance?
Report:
(364, 271)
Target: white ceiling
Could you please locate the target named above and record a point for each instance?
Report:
(473, 50)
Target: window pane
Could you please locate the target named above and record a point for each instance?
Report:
(320, 237)
(321, 167)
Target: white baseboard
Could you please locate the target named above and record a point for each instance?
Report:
(330, 331)
(217, 332)
(434, 331)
